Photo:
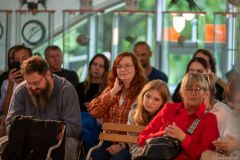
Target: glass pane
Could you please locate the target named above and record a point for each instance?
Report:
(82, 38)
(183, 33)
(226, 41)
(5, 37)
(130, 27)
(34, 28)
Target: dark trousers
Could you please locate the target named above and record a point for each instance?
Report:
(103, 154)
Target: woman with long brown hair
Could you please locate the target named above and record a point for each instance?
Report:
(87, 90)
(125, 82)
(95, 82)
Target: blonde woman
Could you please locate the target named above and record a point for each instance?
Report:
(174, 119)
(150, 101)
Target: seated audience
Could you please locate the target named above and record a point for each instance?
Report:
(143, 52)
(125, 82)
(54, 57)
(220, 84)
(195, 65)
(228, 145)
(47, 96)
(174, 120)
(221, 110)
(19, 53)
(4, 75)
(95, 82)
(150, 101)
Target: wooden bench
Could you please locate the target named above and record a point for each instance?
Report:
(109, 134)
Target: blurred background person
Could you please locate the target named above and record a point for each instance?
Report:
(228, 145)
(93, 86)
(221, 110)
(195, 65)
(20, 53)
(4, 75)
(54, 57)
(143, 52)
(220, 84)
(95, 82)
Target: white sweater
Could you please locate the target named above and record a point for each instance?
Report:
(223, 114)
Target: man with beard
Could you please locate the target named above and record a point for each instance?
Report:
(47, 96)
(143, 52)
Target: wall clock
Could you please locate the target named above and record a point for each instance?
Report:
(1, 31)
(33, 32)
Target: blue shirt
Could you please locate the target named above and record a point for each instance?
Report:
(156, 74)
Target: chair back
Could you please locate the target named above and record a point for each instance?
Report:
(115, 132)
(31, 139)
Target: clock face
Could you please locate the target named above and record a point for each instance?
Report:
(1, 31)
(33, 32)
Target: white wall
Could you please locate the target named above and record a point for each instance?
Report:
(57, 5)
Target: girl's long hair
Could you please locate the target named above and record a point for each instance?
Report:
(141, 116)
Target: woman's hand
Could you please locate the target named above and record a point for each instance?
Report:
(113, 149)
(175, 132)
(116, 88)
(226, 144)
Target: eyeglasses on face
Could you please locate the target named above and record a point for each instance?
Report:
(196, 90)
(125, 66)
(35, 84)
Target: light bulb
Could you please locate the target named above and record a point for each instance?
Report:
(178, 23)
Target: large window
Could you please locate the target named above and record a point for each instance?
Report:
(95, 31)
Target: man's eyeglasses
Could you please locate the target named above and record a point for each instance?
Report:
(35, 84)
(126, 66)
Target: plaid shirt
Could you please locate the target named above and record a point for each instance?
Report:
(107, 108)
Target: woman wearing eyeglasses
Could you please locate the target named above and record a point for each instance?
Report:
(125, 82)
(175, 119)
(211, 62)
